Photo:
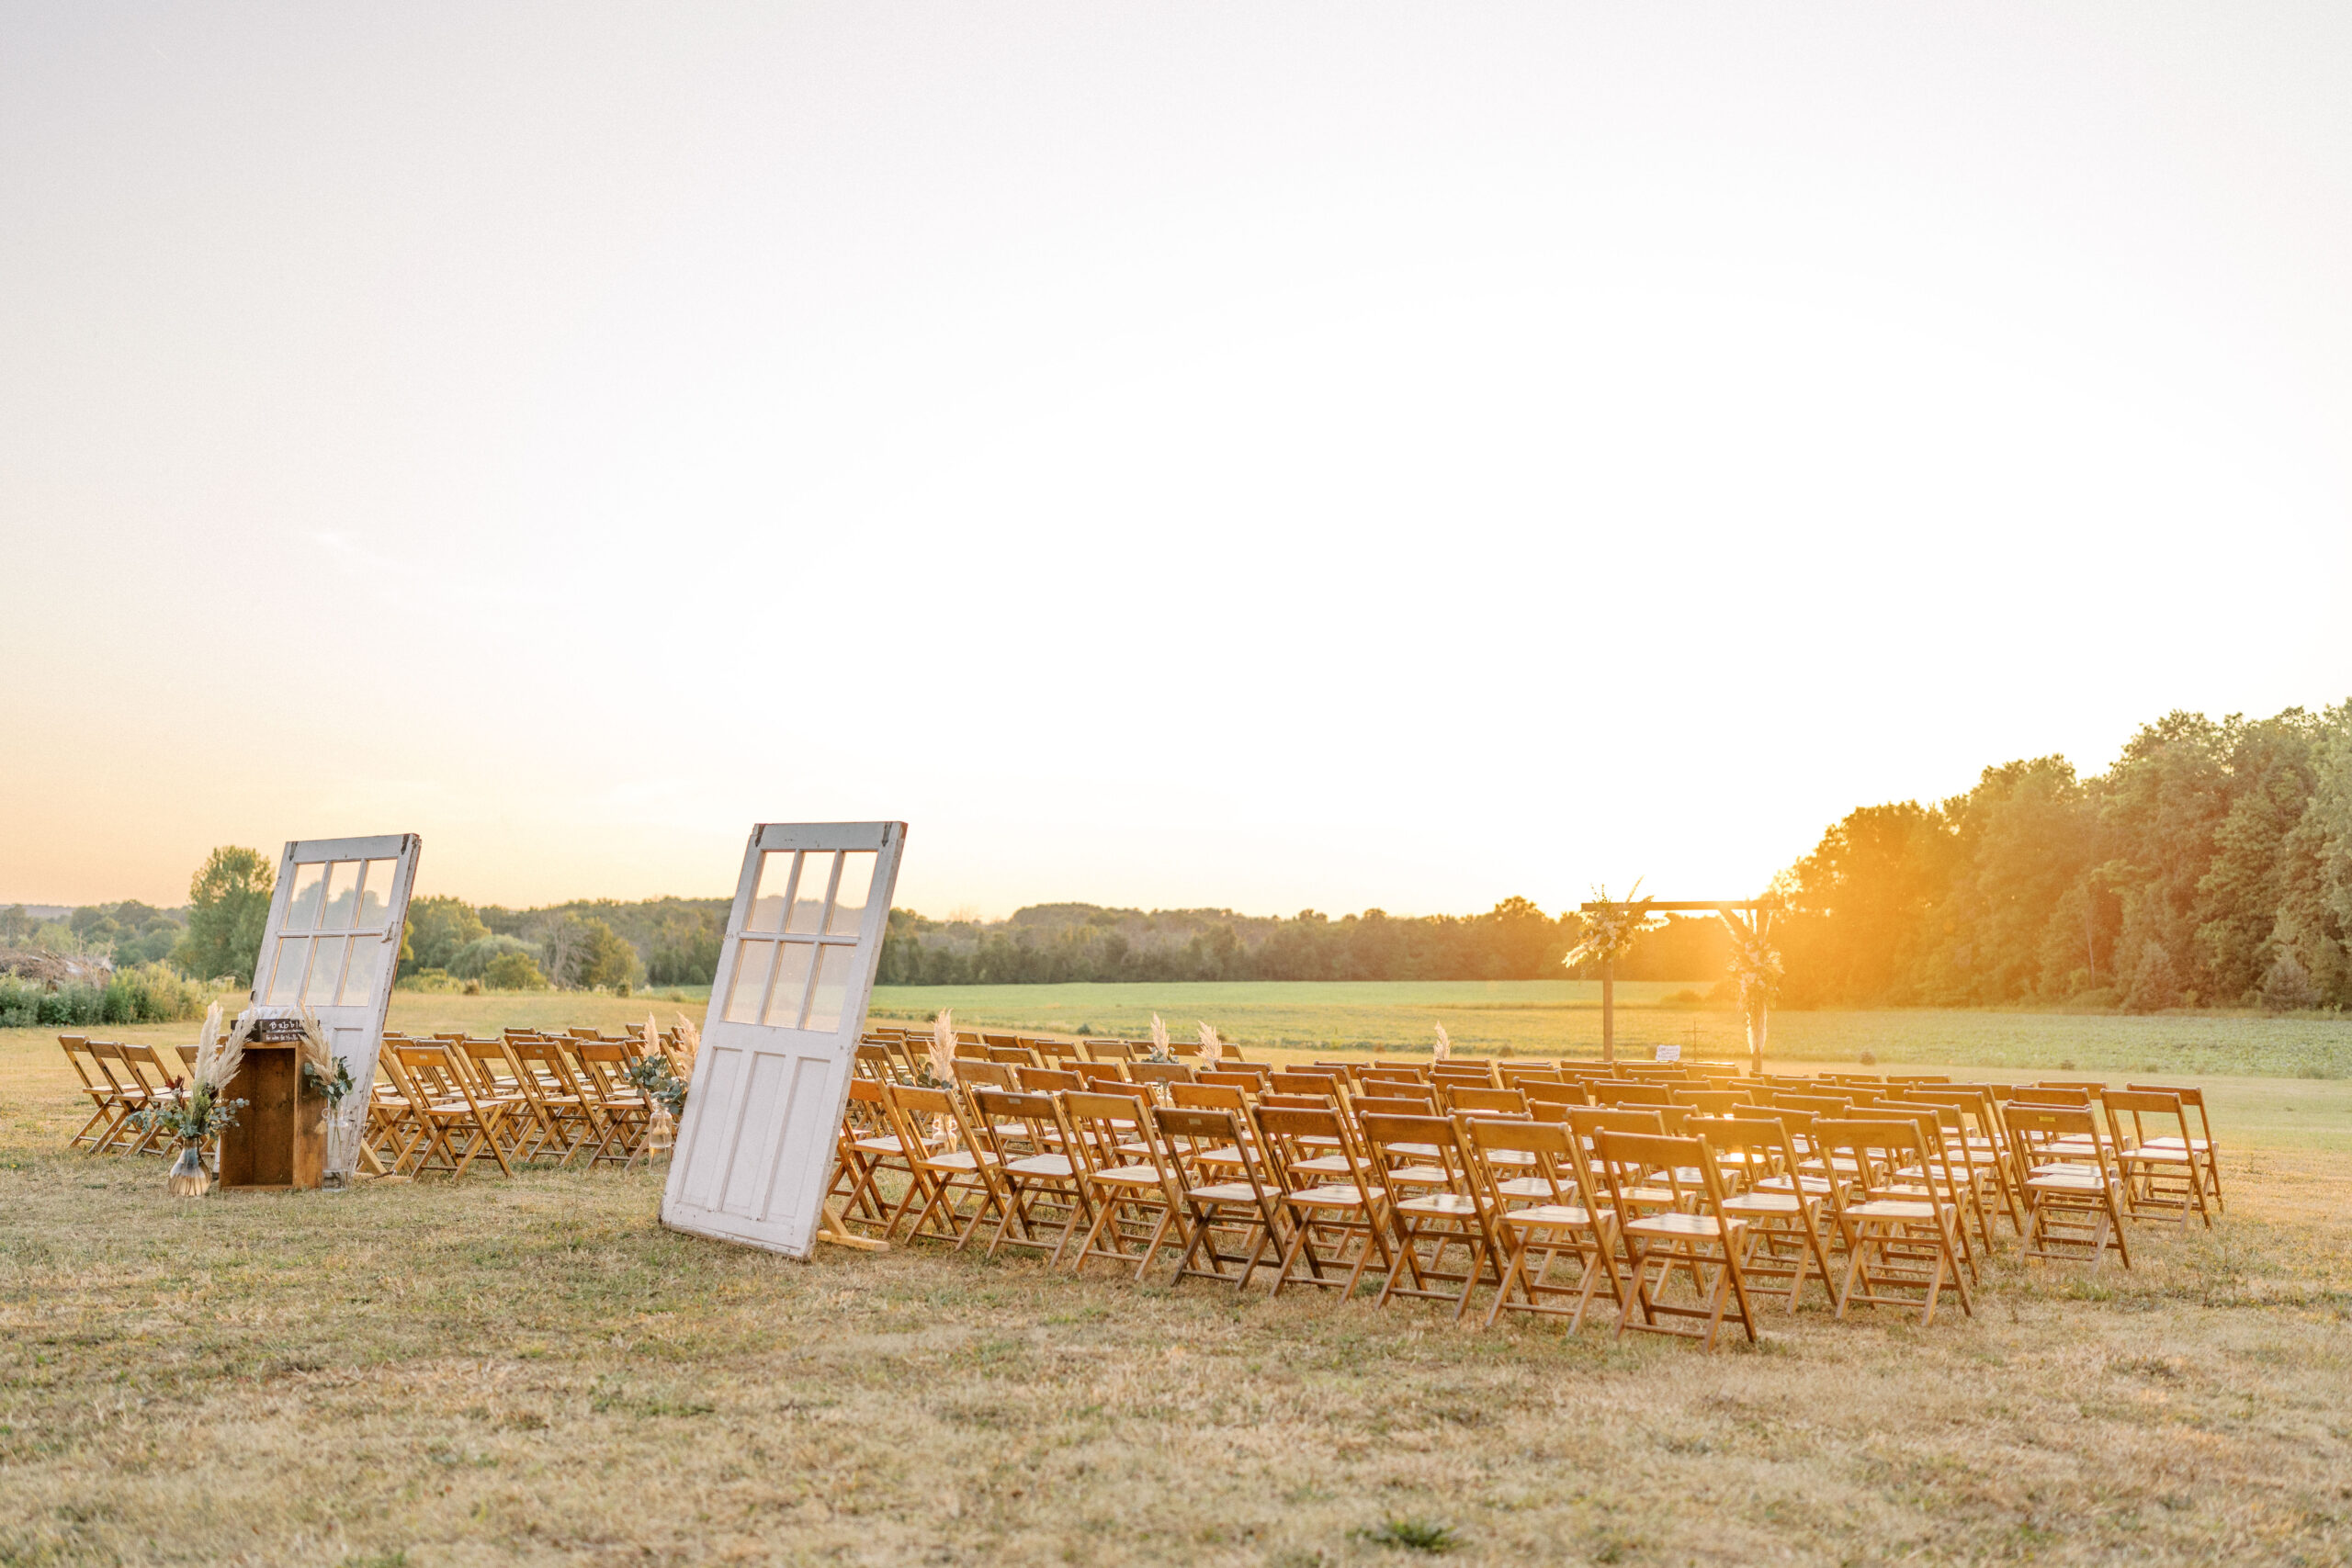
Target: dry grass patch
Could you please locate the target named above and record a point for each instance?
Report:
(532, 1370)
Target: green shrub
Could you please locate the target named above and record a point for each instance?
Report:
(151, 993)
(514, 971)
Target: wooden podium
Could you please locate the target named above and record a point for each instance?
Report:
(280, 1140)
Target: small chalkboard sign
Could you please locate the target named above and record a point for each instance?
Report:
(275, 1031)
(1670, 1053)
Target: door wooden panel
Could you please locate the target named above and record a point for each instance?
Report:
(332, 941)
(755, 1150)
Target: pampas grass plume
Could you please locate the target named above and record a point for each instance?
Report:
(1212, 1048)
(1444, 1044)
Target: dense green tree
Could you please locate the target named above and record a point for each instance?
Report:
(437, 930)
(228, 908)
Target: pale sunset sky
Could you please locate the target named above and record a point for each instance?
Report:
(1263, 456)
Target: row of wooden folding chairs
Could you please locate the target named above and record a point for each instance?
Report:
(444, 1101)
(121, 1080)
(1322, 1191)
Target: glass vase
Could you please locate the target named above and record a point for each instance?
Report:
(188, 1177)
(343, 1150)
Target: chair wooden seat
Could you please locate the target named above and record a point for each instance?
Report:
(1449, 1203)
(1041, 1165)
(1130, 1175)
(1324, 1164)
(962, 1160)
(1336, 1195)
(1225, 1193)
(1761, 1203)
(1892, 1209)
(1541, 1214)
(1675, 1224)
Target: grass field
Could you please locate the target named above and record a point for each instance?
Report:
(532, 1372)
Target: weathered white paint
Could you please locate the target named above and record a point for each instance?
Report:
(755, 1151)
(332, 941)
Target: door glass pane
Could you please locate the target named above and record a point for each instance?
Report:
(376, 894)
(343, 894)
(752, 962)
(775, 883)
(286, 976)
(849, 901)
(809, 898)
(832, 989)
(303, 907)
(327, 969)
(791, 985)
(359, 978)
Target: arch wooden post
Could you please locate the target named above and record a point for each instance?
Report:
(1607, 1009)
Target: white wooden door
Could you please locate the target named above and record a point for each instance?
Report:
(755, 1151)
(333, 942)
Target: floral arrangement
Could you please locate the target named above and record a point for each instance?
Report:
(1444, 1044)
(323, 1072)
(658, 1082)
(938, 1070)
(199, 1108)
(1159, 1050)
(1754, 964)
(1608, 932)
(1212, 1048)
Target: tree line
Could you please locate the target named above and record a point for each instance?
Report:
(2210, 864)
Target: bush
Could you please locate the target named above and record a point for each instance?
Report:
(472, 961)
(151, 992)
(514, 971)
(2288, 988)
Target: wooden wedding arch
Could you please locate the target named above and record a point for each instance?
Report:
(1759, 923)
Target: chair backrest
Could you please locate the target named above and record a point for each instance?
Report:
(1104, 1127)
(2064, 1133)
(1591, 1121)
(1057, 1050)
(1283, 1131)
(1423, 1143)
(1627, 1162)
(1471, 1100)
(1548, 1100)
(1107, 1050)
(995, 1075)
(1625, 1091)
(1297, 1101)
(1159, 1072)
(1251, 1082)
(1712, 1101)
(1380, 1100)
(1879, 1147)
(1047, 1081)
(2153, 1113)
(872, 1061)
(1549, 1145)
(1190, 1132)
(2191, 1099)
(142, 1060)
(1813, 1104)
(2046, 1094)
(1012, 1121)
(1207, 1097)
(1012, 1056)
(1308, 1081)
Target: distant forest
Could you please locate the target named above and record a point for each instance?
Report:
(2210, 865)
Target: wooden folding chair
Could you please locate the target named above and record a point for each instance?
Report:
(1433, 1202)
(1035, 1169)
(1783, 1240)
(1124, 1173)
(1225, 1188)
(1906, 1230)
(2163, 1176)
(2074, 1194)
(151, 1083)
(2201, 1143)
(945, 1164)
(867, 1147)
(565, 1115)
(1328, 1220)
(1538, 1210)
(1694, 1237)
(108, 1106)
(497, 1078)
(447, 1105)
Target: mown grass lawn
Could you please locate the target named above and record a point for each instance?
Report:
(532, 1370)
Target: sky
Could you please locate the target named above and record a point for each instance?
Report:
(1253, 456)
